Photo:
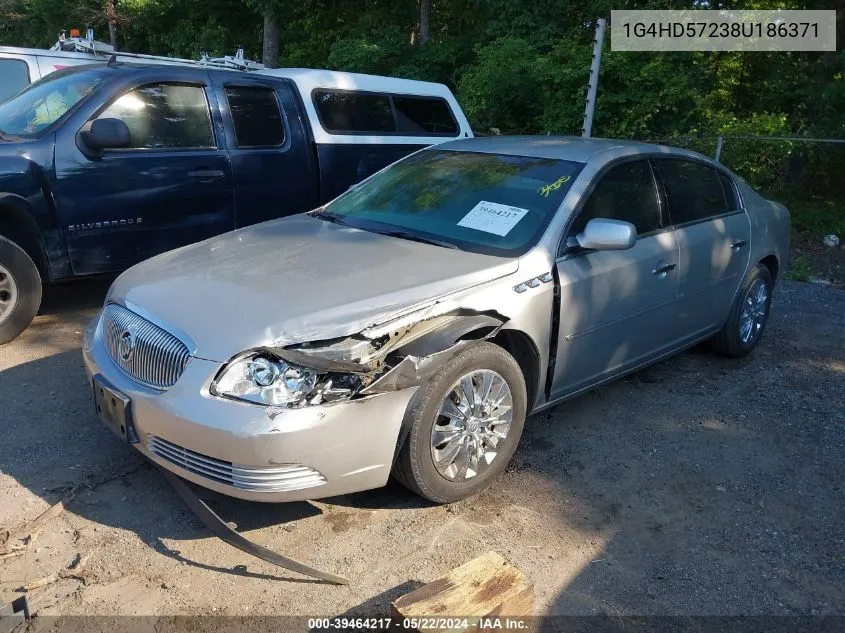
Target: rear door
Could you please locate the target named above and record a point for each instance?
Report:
(270, 151)
(616, 307)
(173, 186)
(713, 233)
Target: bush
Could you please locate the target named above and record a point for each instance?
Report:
(501, 89)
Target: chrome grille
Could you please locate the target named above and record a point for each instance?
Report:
(282, 478)
(157, 358)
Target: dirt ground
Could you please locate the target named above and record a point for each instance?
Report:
(699, 486)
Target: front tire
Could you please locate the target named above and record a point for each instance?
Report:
(20, 290)
(465, 425)
(748, 316)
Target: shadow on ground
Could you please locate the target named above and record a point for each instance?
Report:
(709, 486)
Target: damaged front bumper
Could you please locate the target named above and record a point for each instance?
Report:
(254, 452)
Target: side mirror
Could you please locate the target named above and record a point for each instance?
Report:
(602, 234)
(106, 134)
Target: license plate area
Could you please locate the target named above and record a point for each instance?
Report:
(114, 409)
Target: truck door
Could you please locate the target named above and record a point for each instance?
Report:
(273, 167)
(173, 186)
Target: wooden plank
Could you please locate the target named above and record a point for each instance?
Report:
(480, 591)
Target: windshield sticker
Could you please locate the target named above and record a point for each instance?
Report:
(492, 217)
(545, 190)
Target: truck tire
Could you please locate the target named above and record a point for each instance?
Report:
(20, 290)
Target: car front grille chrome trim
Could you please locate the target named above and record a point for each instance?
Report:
(142, 350)
(282, 478)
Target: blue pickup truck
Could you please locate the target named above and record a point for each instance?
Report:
(102, 166)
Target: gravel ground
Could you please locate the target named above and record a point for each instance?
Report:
(699, 486)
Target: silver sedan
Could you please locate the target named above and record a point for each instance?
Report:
(411, 325)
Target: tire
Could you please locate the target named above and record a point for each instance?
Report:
(415, 466)
(20, 290)
(730, 341)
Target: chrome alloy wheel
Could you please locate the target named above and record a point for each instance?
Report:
(754, 311)
(8, 293)
(472, 420)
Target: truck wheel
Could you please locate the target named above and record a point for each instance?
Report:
(20, 290)
(464, 425)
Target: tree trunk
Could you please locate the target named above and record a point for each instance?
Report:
(425, 16)
(270, 52)
(111, 17)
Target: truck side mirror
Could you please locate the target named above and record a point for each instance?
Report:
(106, 134)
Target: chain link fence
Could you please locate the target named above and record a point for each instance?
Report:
(806, 175)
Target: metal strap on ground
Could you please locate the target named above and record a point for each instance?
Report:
(220, 529)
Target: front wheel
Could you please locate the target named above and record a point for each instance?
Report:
(748, 316)
(465, 425)
(20, 290)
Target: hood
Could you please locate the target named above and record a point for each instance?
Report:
(294, 280)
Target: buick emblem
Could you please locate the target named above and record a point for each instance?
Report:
(126, 345)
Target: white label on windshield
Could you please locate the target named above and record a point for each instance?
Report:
(492, 217)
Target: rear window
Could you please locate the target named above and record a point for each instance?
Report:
(424, 115)
(694, 190)
(256, 115)
(351, 112)
(342, 112)
(14, 77)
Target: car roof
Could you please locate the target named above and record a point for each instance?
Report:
(573, 148)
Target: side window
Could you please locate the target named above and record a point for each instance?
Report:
(14, 77)
(356, 112)
(626, 192)
(424, 115)
(164, 116)
(256, 115)
(693, 189)
(730, 192)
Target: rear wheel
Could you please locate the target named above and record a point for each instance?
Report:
(465, 425)
(20, 290)
(748, 316)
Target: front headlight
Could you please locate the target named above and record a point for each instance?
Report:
(262, 378)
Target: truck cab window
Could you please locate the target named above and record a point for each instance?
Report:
(164, 116)
(256, 116)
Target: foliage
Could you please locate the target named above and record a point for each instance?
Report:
(799, 269)
(519, 67)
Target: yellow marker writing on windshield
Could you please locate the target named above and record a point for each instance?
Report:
(545, 190)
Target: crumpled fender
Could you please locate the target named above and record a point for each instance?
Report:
(424, 355)
(398, 355)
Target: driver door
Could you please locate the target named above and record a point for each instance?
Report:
(616, 307)
(172, 186)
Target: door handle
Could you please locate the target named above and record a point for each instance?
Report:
(662, 269)
(206, 175)
(738, 245)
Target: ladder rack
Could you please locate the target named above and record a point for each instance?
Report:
(78, 44)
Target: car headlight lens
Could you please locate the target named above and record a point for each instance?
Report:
(264, 379)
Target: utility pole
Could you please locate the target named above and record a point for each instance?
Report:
(594, 79)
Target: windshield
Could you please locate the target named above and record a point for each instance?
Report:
(497, 204)
(43, 103)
